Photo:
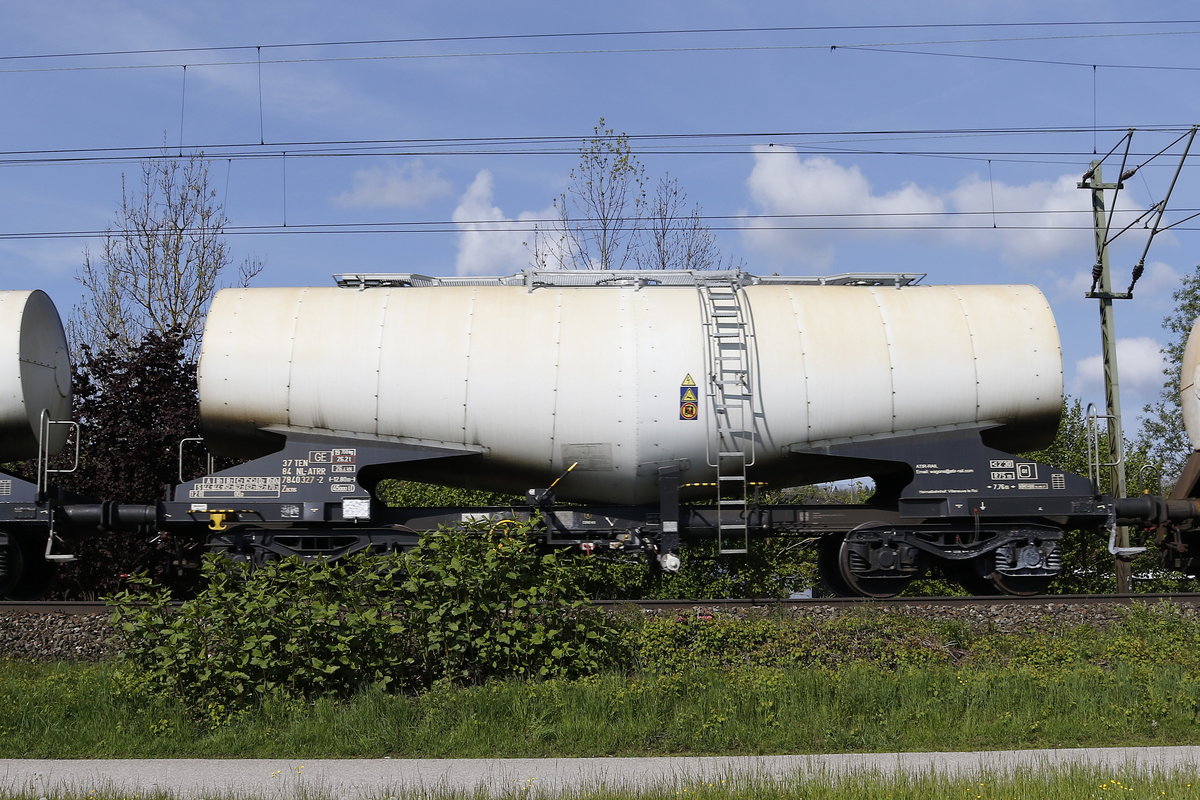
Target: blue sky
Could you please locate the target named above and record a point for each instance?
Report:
(961, 129)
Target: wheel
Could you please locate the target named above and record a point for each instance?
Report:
(864, 581)
(980, 577)
(859, 566)
(1020, 585)
(828, 566)
(26, 573)
(967, 574)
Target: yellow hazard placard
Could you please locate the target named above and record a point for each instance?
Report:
(689, 400)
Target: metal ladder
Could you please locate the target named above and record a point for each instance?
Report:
(45, 425)
(731, 401)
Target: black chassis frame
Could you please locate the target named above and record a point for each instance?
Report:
(945, 494)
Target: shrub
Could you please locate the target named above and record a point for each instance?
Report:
(461, 607)
(490, 604)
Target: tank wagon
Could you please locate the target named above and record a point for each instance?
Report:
(638, 411)
(35, 412)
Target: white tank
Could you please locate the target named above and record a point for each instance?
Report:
(616, 377)
(1189, 386)
(35, 373)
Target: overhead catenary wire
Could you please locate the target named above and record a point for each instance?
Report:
(1156, 210)
(1056, 62)
(654, 144)
(721, 222)
(737, 143)
(345, 148)
(663, 32)
(1140, 266)
(897, 48)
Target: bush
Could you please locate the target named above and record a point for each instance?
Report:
(489, 605)
(460, 608)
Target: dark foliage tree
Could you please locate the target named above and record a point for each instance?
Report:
(133, 404)
(136, 339)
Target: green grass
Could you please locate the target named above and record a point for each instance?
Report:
(78, 711)
(868, 682)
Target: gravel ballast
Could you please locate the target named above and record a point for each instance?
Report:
(30, 635)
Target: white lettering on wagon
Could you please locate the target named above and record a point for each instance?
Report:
(293, 473)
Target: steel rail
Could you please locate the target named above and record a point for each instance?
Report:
(82, 607)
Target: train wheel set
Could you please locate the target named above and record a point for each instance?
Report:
(630, 396)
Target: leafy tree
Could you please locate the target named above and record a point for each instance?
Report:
(161, 262)
(136, 337)
(594, 226)
(134, 404)
(606, 220)
(1162, 426)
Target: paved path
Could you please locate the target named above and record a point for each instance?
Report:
(379, 778)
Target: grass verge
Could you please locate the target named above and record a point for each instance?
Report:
(84, 711)
(866, 682)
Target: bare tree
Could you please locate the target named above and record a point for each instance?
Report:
(605, 220)
(161, 262)
(674, 236)
(595, 218)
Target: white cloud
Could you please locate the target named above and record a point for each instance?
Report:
(490, 243)
(1076, 285)
(783, 183)
(1158, 284)
(1141, 373)
(33, 260)
(1153, 291)
(407, 184)
(1038, 221)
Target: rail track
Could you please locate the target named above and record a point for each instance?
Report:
(83, 608)
(69, 607)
